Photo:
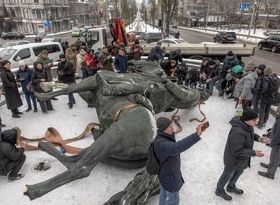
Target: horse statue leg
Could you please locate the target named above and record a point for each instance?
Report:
(124, 142)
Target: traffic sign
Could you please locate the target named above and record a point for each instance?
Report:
(244, 6)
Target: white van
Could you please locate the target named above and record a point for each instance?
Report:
(98, 37)
(30, 52)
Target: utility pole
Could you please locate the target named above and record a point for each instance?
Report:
(252, 19)
(208, 8)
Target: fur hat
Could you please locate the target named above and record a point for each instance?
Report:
(249, 66)
(163, 123)
(268, 71)
(249, 114)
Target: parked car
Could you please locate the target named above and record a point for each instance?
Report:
(14, 43)
(153, 37)
(39, 37)
(76, 33)
(172, 41)
(272, 43)
(13, 35)
(51, 37)
(29, 53)
(225, 37)
(271, 32)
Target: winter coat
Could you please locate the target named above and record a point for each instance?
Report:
(155, 54)
(106, 60)
(45, 63)
(36, 78)
(275, 133)
(24, 77)
(121, 63)
(168, 152)
(239, 145)
(136, 52)
(230, 61)
(80, 59)
(270, 86)
(245, 85)
(66, 72)
(91, 62)
(71, 56)
(8, 150)
(166, 66)
(10, 88)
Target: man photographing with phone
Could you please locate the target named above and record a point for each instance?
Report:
(238, 152)
(167, 151)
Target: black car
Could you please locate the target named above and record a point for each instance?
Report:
(272, 43)
(153, 37)
(13, 35)
(225, 37)
(39, 37)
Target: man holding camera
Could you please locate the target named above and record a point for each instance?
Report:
(168, 152)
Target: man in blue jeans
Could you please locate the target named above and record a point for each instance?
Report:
(238, 152)
(168, 152)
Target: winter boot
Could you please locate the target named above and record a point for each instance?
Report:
(35, 109)
(223, 195)
(264, 165)
(235, 190)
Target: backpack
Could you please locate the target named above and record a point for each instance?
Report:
(237, 69)
(153, 165)
(274, 83)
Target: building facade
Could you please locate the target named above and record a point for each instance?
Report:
(33, 16)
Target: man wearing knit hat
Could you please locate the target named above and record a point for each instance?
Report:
(168, 152)
(238, 152)
(270, 87)
(243, 89)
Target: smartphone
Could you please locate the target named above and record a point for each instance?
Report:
(205, 125)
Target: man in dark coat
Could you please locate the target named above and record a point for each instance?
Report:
(11, 157)
(168, 152)
(238, 152)
(121, 61)
(269, 88)
(275, 151)
(156, 53)
(10, 88)
(66, 74)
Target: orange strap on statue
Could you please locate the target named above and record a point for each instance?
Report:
(176, 120)
(204, 116)
(125, 107)
(53, 136)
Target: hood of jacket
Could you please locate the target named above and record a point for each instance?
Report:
(236, 122)
(9, 136)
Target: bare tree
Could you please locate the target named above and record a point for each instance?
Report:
(168, 9)
(270, 7)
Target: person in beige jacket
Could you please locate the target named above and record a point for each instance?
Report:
(80, 59)
(71, 55)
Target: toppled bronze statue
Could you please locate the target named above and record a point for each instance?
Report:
(125, 104)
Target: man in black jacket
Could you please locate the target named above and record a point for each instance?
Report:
(66, 74)
(275, 151)
(168, 152)
(11, 158)
(238, 152)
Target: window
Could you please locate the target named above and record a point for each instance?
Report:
(38, 14)
(23, 54)
(51, 49)
(36, 1)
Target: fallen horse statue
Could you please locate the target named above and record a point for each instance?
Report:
(125, 105)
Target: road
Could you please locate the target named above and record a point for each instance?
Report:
(260, 57)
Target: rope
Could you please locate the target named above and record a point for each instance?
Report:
(204, 116)
(53, 136)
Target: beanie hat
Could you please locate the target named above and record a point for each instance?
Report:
(61, 56)
(211, 62)
(249, 114)
(249, 67)
(163, 123)
(268, 70)
(230, 53)
(262, 67)
(21, 63)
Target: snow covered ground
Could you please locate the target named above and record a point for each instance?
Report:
(201, 165)
(140, 25)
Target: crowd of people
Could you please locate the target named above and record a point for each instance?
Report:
(253, 87)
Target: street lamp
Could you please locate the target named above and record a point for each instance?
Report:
(208, 7)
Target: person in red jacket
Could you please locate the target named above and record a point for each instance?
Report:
(91, 61)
